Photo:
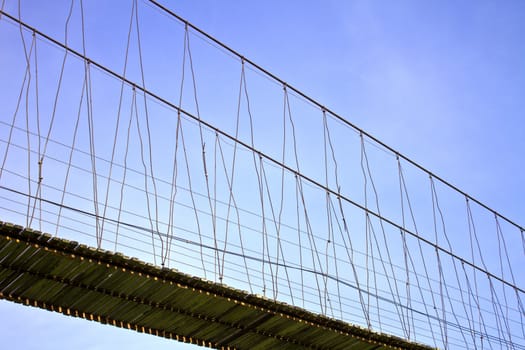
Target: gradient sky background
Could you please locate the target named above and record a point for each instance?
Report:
(440, 81)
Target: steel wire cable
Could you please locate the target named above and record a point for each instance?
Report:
(144, 251)
(166, 199)
(500, 340)
(217, 43)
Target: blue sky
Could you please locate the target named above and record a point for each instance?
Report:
(442, 82)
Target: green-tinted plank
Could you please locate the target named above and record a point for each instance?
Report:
(61, 275)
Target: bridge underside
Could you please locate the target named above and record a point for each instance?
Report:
(63, 276)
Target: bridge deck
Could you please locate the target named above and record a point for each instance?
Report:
(59, 275)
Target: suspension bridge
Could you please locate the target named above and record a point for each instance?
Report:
(183, 191)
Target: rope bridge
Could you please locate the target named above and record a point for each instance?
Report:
(160, 142)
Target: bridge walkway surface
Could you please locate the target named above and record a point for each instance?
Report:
(40, 270)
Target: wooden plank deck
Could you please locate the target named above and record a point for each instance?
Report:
(63, 276)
